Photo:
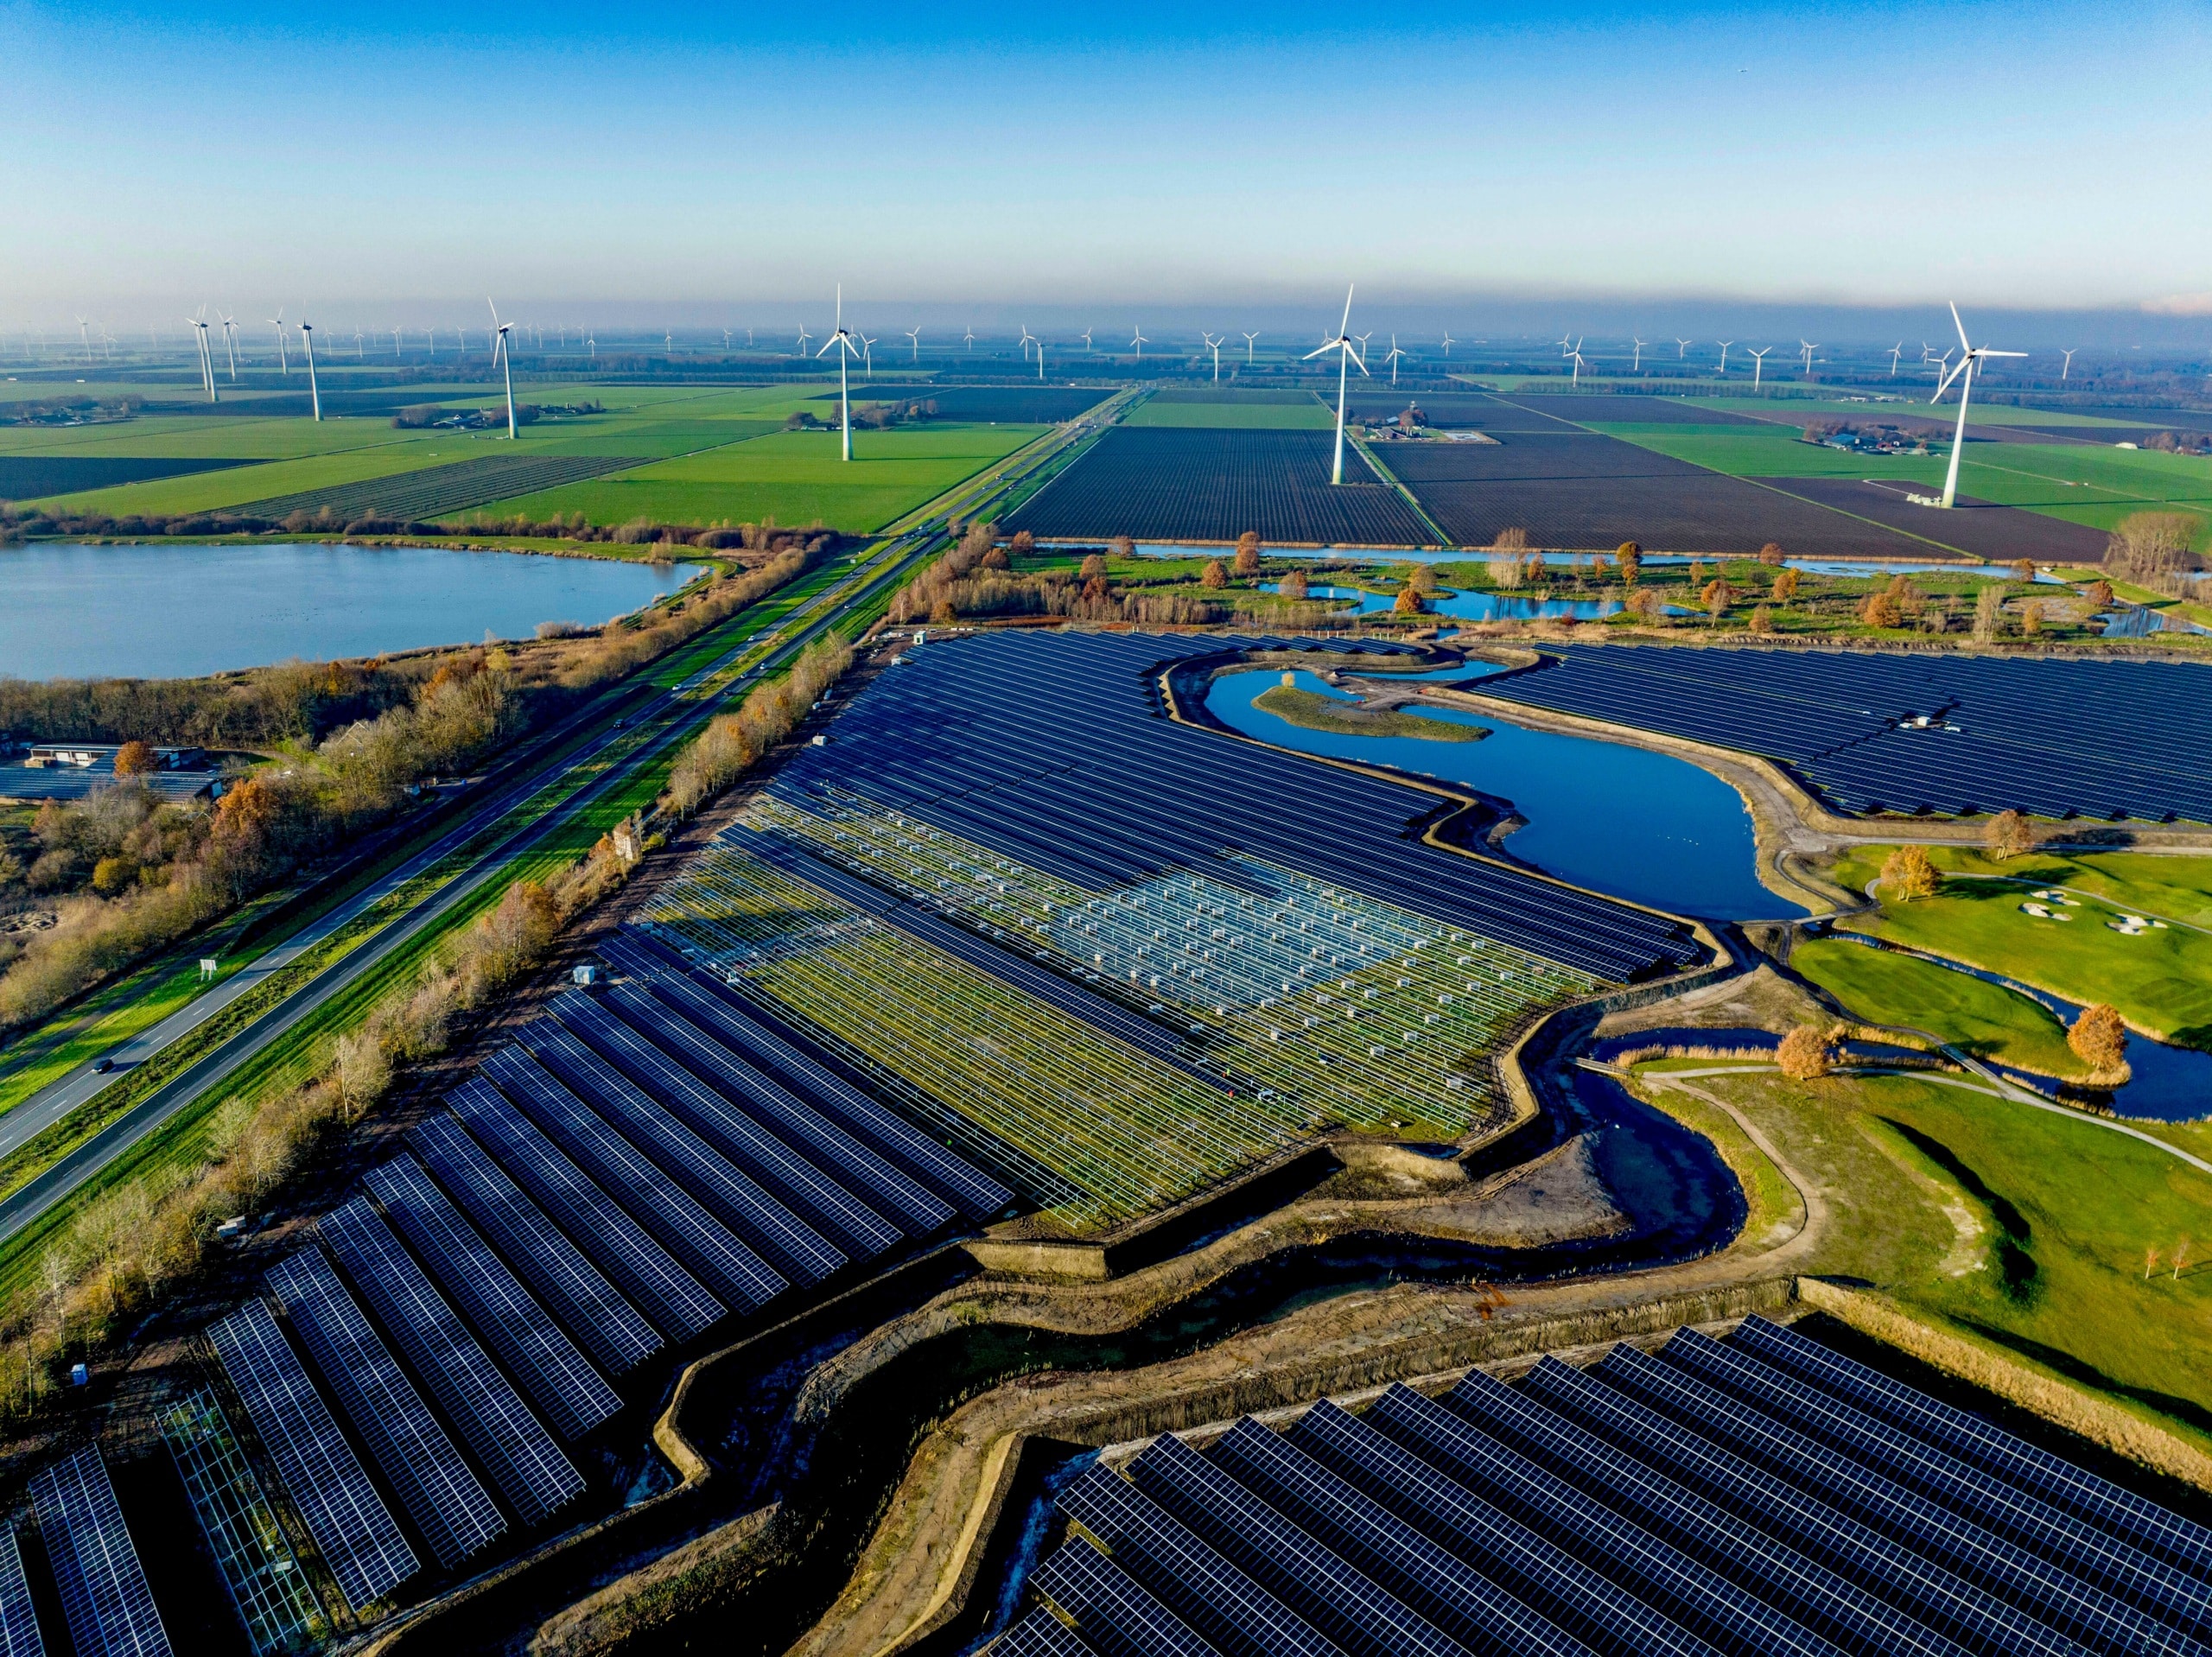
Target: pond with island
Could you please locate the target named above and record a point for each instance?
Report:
(77, 610)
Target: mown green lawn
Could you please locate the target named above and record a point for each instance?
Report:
(1986, 1019)
(2161, 979)
(793, 477)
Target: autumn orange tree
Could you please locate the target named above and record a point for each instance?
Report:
(1248, 554)
(1785, 586)
(1293, 585)
(1771, 553)
(1216, 575)
(2008, 835)
(1408, 602)
(135, 760)
(1629, 557)
(2099, 1038)
(1907, 875)
(1806, 1052)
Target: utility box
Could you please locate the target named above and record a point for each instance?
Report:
(586, 975)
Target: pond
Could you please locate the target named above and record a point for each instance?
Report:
(1616, 819)
(1467, 606)
(77, 611)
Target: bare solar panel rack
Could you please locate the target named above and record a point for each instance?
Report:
(275, 1602)
(104, 1596)
(360, 1540)
(654, 1280)
(675, 1218)
(19, 1631)
(506, 1439)
(558, 1378)
(450, 1507)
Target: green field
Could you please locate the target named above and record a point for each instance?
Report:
(2160, 979)
(793, 477)
(1309, 416)
(1988, 1020)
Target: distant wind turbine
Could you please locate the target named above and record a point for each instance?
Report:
(395, 344)
(85, 334)
(231, 347)
(1249, 341)
(915, 334)
(1040, 362)
(1896, 352)
(507, 362)
(1636, 367)
(1808, 347)
(1565, 345)
(207, 357)
(1975, 355)
(360, 350)
(1027, 340)
(803, 336)
(968, 338)
(868, 355)
(1758, 364)
(307, 344)
(1347, 354)
(1137, 339)
(1393, 359)
(1725, 344)
(1214, 345)
(2067, 367)
(1087, 345)
(1577, 354)
(842, 342)
(1448, 342)
(1682, 347)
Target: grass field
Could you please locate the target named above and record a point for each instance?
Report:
(794, 477)
(1309, 416)
(2161, 979)
(2023, 1228)
(1991, 1022)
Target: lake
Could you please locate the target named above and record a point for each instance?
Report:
(1616, 819)
(69, 610)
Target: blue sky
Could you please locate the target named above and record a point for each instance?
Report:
(665, 161)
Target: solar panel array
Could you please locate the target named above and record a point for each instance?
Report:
(1760, 1494)
(104, 1598)
(1878, 732)
(1050, 749)
(19, 1635)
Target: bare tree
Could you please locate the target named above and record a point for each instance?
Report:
(2008, 835)
(1989, 613)
(2151, 543)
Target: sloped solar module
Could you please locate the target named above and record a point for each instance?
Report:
(450, 1509)
(529, 1343)
(533, 1475)
(593, 1310)
(19, 1635)
(1042, 1634)
(1101, 1597)
(104, 1597)
(355, 1532)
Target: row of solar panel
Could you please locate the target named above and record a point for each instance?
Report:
(1047, 748)
(575, 1218)
(1763, 1495)
(106, 1602)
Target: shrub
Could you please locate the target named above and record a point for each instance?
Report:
(1785, 586)
(1880, 610)
(1407, 603)
(1762, 619)
(1806, 1053)
(1772, 553)
(1216, 575)
(2099, 1038)
(1293, 586)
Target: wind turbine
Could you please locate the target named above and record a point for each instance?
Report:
(1448, 342)
(1758, 364)
(360, 351)
(2067, 367)
(1636, 367)
(803, 336)
(968, 338)
(1682, 347)
(231, 347)
(1214, 345)
(84, 333)
(1137, 339)
(1040, 362)
(842, 341)
(1577, 354)
(1027, 340)
(915, 334)
(1347, 354)
(431, 341)
(867, 356)
(1249, 339)
(1896, 352)
(1564, 345)
(507, 362)
(1808, 347)
(1725, 344)
(395, 345)
(283, 357)
(1087, 345)
(307, 344)
(1392, 360)
(1964, 374)
(207, 357)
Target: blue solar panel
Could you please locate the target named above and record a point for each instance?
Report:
(19, 1635)
(357, 1537)
(840, 1218)
(648, 1273)
(1098, 1595)
(1042, 1634)
(451, 1510)
(664, 1208)
(529, 1468)
(737, 1082)
(1201, 1587)
(975, 1192)
(592, 1308)
(558, 1379)
(104, 1597)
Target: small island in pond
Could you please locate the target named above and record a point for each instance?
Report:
(1318, 712)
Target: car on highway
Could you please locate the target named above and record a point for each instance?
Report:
(102, 1066)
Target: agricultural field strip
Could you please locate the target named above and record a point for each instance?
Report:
(1226, 955)
(433, 489)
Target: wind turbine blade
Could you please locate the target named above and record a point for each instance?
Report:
(1961, 326)
(1944, 384)
(1986, 351)
(1323, 351)
(1352, 351)
(495, 310)
(1344, 327)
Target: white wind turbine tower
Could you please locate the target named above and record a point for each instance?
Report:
(842, 342)
(1040, 362)
(915, 334)
(307, 344)
(507, 362)
(2067, 367)
(1975, 355)
(1896, 352)
(1725, 344)
(207, 357)
(1214, 345)
(283, 355)
(231, 347)
(1682, 347)
(1137, 339)
(1577, 354)
(1347, 354)
(868, 355)
(1251, 339)
(1393, 359)
(1636, 367)
(1758, 364)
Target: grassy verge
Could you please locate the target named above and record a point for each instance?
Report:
(1315, 712)
(1985, 1019)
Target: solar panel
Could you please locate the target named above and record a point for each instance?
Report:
(798, 1185)
(892, 1193)
(1042, 1634)
(2059, 1482)
(664, 1208)
(1809, 1590)
(450, 1509)
(267, 1588)
(1458, 1599)
(1302, 1572)
(528, 1341)
(1197, 1583)
(529, 1468)
(671, 1296)
(1389, 1455)
(975, 1192)
(1098, 1595)
(19, 1635)
(104, 1598)
(352, 1528)
(2174, 1596)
